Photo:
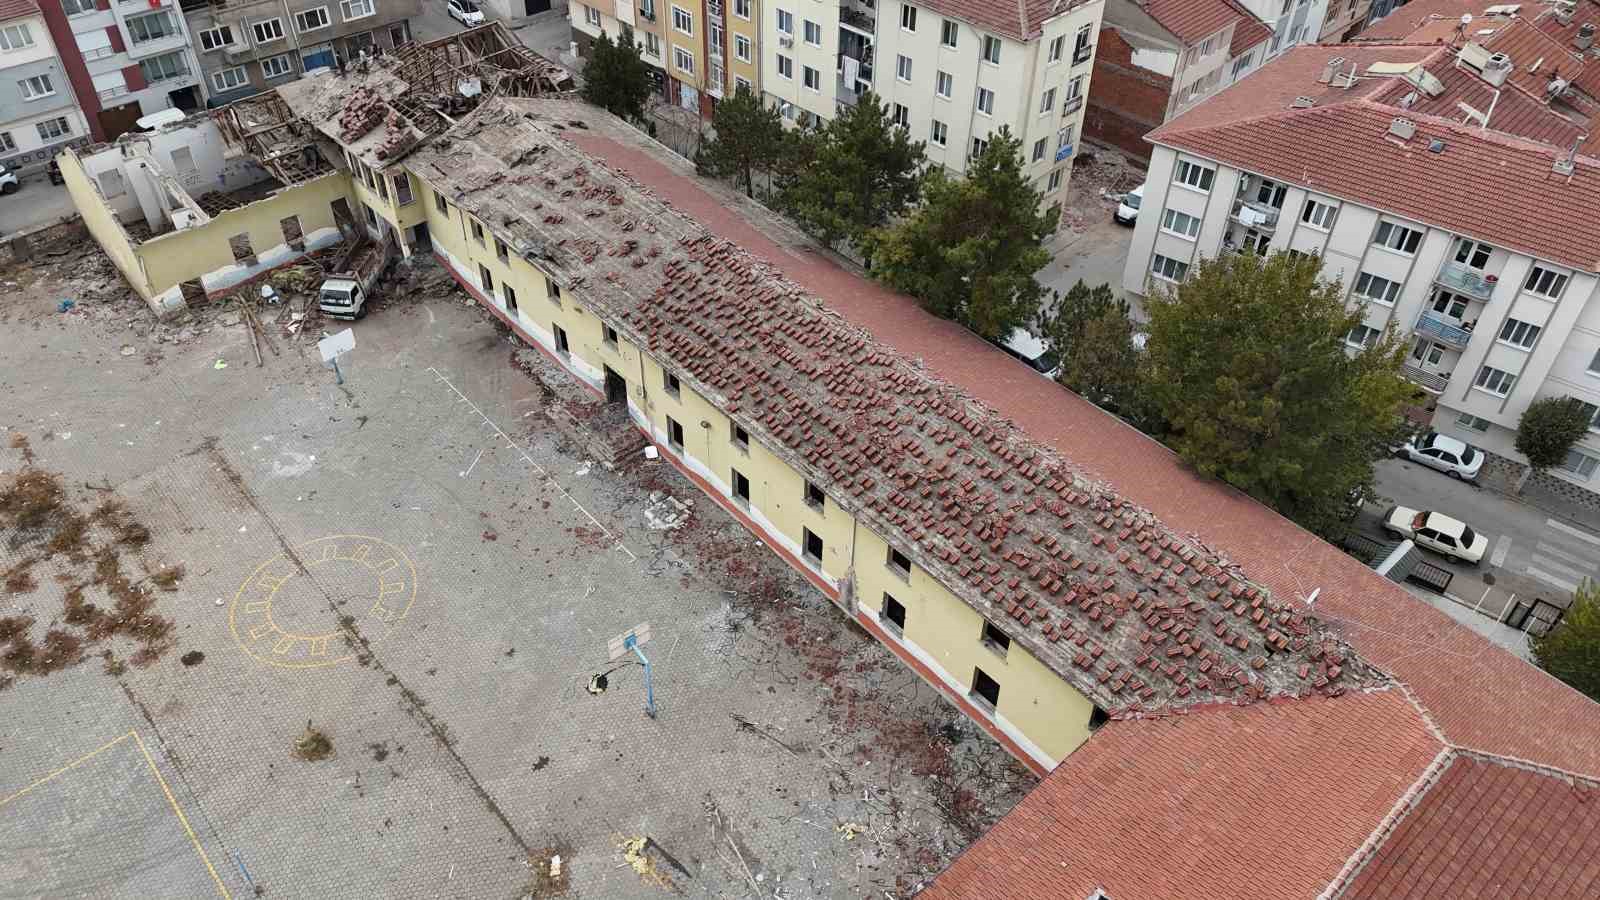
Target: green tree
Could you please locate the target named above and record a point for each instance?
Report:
(749, 139)
(970, 251)
(1546, 432)
(1571, 650)
(617, 78)
(1247, 364)
(862, 171)
(1090, 332)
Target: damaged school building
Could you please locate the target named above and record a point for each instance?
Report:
(1107, 636)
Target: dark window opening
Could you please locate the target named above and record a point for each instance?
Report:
(813, 547)
(500, 250)
(815, 498)
(555, 291)
(741, 438)
(741, 486)
(894, 613)
(985, 689)
(293, 235)
(1097, 718)
(439, 201)
(561, 340)
(674, 433)
(673, 385)
(242, 252)
(995, 639)
(616, 386)
(899, 563)
(609, 335)
(486, 279)
(511, 297)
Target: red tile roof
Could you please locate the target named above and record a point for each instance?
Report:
(1248, 31)
(1192, 21)
(1096, 589)
(1429, 21)
(1020, 20)
(1264, 802)
(16, 9)
(1484, 184)
(1488, 827)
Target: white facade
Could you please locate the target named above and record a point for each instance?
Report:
(154, 37)
(38, 112)
(1490, 329)
(1293, 22)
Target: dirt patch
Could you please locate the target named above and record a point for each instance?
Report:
(312, 745)
(192, 658)
(82, 550)
(551, 868)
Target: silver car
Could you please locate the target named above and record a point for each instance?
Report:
(1455, 458)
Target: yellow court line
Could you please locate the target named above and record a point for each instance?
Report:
(221, 889)
(69, 766)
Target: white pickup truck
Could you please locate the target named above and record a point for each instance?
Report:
(348, 287)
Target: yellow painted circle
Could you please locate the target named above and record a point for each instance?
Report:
(279, 614)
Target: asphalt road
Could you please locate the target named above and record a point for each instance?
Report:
(1530, 554)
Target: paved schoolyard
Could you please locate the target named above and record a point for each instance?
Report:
(416, 565)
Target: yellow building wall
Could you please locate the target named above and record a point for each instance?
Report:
(751, 29)
(1035, 701)
(179, 256)
(942, 631)
(102, 223)
(694, 44)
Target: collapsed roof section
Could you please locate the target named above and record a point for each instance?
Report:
(486, 60)
(267, 129)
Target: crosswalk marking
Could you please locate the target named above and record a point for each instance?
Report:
(1502, 546)
(1565, 563)
(1547, 578)
(1582, 562)
(1574, 532)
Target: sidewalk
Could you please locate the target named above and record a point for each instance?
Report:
(1501, 478)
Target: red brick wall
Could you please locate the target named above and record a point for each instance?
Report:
(135, 77)
(55, 20)
(1125, 101)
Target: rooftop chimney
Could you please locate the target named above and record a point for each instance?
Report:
(1584, 39)
(1496, 68)
(1404, 129)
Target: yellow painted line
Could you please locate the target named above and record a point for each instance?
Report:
(70, 766)
(184, 820)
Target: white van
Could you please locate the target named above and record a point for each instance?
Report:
(1032, 351)
(1128, 210)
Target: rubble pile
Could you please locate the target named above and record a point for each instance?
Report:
(361, 112)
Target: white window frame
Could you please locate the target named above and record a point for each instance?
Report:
(1194, 177)
(739, 81)
(1057, 48)
(8, 144)
(276, 24)
(181, 69)
(299, 19)
(652, 44)
(1594, 364)
(687, 27)
(741, 8)
(949, 34)
(741, 47)
(809, 27)
(1180, 224)
(45, 87)
(60, 127)
(908, 18)
(78, 7)
(213, 36)
(1518, 333)
(939, 135)
(991, 50)
(1545, 281)
(944, 85)
(1476, 423)
(979, 145)
(1175, 272)
(217, 79)
(785, 67)
(1054, 182)
(1494, 382)
(164, 15)
(808, 74)
(285, 60)
(591, 16)
(347, 9)
(902, 68)
(1040, 147)
(679, 55)
(16, 37)
(1391, 234)
(986, 109)
(1584, 462)
(786, 22)
(1319, 215)
(1369, 336)
(901, 116)
(1366, 283)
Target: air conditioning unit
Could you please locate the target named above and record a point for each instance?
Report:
(786, 40)
(1496, 68)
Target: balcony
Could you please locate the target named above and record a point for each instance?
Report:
(1071, 105)
(649, 15)
(1467, 281)
(1082, 54)
(1432, 382)
(1443, 331)
(858, 19)
(714, 9)
(1255, 215)
(1062, 152)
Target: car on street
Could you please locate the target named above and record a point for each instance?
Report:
(1437, 532)
(1128, 208)
(1454, 457)
(466, 12)
(1032, 351)
(8, 181)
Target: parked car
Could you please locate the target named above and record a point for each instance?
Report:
(1455, 458)
(8, 181)
(1436, 532)
(466, 12)
(1128, 209)
(1032, 351)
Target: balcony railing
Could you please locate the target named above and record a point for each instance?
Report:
(1082, 54)
(1255, 215)
(1071, 105)
(1432, 382)
(1443, 331)
(1062, 152)
(714, 9)
(857, 19)
(1467, 281)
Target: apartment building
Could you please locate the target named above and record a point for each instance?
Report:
(1293, 22)
(515, 12)
(1451, 191)
(245, 48)
(39, 111)
(691, 44)
(1343, 20)
(124, 58)
(1160, 57)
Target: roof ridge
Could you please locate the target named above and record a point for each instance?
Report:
(1402, 807)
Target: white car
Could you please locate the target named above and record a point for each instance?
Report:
(1032, 352)
(8, 181)
(1455, 458)
(1436, 532)
(1128, 209)
(466, 12)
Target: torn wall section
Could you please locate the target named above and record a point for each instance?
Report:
(101, 220)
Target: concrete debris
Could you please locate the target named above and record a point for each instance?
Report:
(665, 512)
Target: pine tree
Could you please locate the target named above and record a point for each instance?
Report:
(617, 78)
(1571, 650)
(970, 251)
(749, 139)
